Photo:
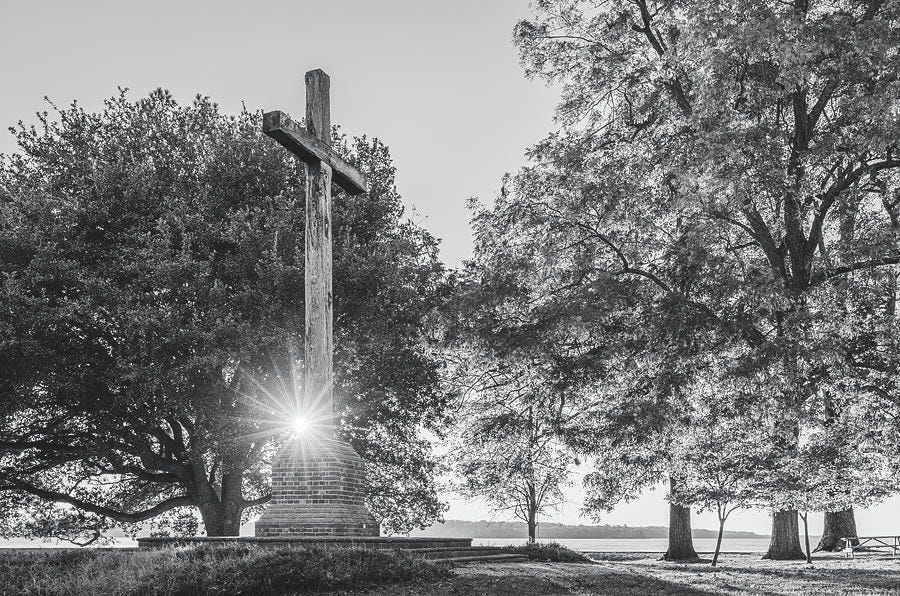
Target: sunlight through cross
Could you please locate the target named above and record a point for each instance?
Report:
(322, 164)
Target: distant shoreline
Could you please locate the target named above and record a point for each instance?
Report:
(454, 528)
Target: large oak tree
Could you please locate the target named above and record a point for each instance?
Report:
(738, 161)
(151, 275)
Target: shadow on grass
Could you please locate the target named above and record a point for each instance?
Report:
(620, 557)
(860, 580)
(641, 556)
(634, 584)
(553, 580)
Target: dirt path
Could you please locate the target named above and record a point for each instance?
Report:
(640, 575)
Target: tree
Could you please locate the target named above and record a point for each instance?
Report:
(717, 469)
(151, 274)
(626, 353)
(837, 525)
(508, 450)
(515, 376)
(826, 475)
(727, 159)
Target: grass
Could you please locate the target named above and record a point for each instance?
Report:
(207, 571)
(552, 569)
(643, 574)
(546, 551)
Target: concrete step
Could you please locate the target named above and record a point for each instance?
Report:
(438, 549)
(448, 553)
(485, 559)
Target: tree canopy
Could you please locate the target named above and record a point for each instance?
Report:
(151, 271)
(723, 196)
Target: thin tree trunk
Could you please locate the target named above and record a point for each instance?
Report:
(681, 543)
(784, 544)
(532, 525)
(718, 542)
(805, 517)
(838, 524)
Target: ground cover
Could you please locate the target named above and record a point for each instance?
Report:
(206, 571)
(253, 571)
(643, 574)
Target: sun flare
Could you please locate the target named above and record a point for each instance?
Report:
(299, 425)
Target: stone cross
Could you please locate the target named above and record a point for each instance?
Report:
(322, 165)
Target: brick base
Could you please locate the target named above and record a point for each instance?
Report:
(318, 489)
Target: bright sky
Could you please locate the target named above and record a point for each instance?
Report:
(437, 80)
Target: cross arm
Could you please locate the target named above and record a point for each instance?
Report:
(310, 149)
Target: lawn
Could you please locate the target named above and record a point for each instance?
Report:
(206, 571)
(640, 574)
(258, 572)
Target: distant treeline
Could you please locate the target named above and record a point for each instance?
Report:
(454, 528)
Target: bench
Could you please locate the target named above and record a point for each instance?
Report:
(871, 543)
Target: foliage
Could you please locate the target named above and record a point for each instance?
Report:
(733, 170)
(151, 274)
(513, 404)
(718, 469)
(209, 571)
(507, 451)
(546, 551)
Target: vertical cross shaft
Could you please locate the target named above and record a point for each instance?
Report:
(318, 355)
(318, 487)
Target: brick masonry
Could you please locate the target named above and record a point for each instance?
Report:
(318, 489)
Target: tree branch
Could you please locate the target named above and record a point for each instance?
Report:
(258, 501)
(120, 516)
(827, 199)
(869, 264)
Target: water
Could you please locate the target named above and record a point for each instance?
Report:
(632, 545)
(614, 545)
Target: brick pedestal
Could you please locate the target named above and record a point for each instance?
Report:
(318, 489)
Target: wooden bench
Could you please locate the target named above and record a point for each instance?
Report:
(871, 543)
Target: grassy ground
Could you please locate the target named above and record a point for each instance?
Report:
(258, 572)
(206, 571)
(640, 574)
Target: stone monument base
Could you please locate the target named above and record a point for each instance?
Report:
(318, 489)
(380, 542)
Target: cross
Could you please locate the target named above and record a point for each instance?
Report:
(322, 165)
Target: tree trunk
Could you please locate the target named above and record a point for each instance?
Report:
(838, 524)
(222, 513)
(681, 543)
(219, 519)
(806, 536)
(532, 525)
(718, 542)
(784, 544)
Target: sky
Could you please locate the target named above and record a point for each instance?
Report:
(437, 80)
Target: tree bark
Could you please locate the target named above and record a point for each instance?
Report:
(718, 542)
(532, 525)
(838, 524)
(806, 536)
(221, 510)
(221, 518)
(784, 544)
(681, 543)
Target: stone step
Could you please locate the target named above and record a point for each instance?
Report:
(485, 559)
(449, 547)
(448, 553)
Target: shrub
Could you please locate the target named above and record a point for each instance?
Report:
(208, 571)
(547, 551)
